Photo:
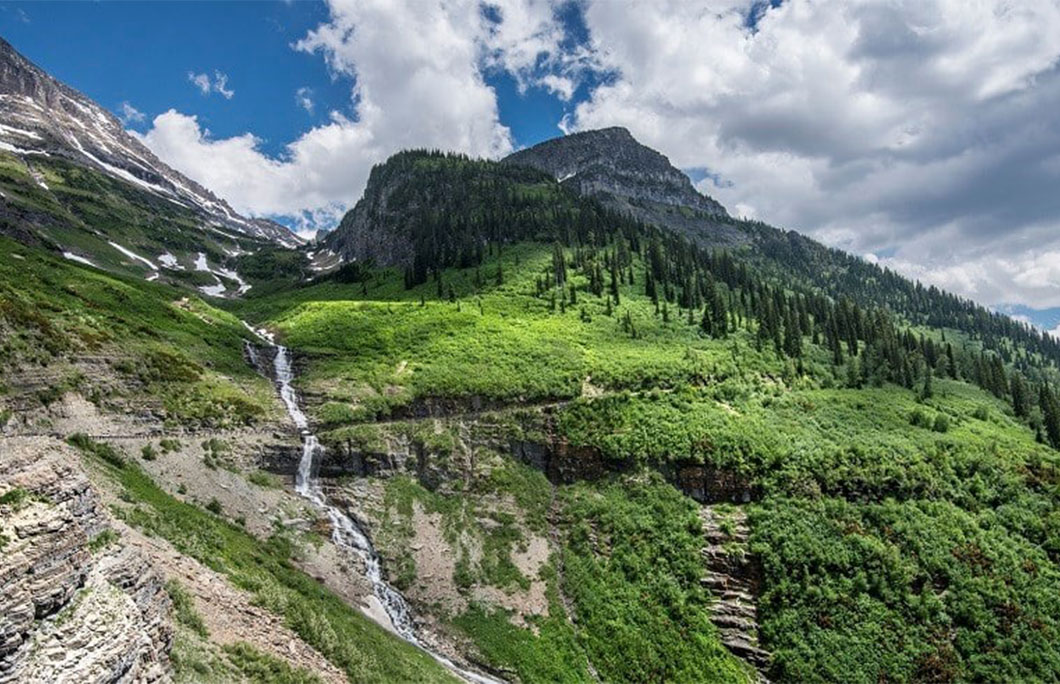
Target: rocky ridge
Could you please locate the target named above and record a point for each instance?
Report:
(42, 117)
(612, 166)
(76, 604)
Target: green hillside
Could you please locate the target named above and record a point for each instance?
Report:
(581, 413)
(902, 504)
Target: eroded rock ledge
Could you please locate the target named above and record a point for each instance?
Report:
(75, 603)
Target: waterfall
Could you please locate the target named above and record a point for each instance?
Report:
(345, 532)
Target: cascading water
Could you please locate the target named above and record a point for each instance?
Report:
(346, 534)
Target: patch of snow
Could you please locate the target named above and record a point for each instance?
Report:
(18, 150)
(169, 261)
(79, 259)
(560, 179)
(200, 263)
(132, 255)
(18, 256)
(151, 278)
(4, 129)
(213, 290)
(120, 173)
(232, 275)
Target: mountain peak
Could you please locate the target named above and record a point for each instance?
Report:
(610, 164)
(44, 117)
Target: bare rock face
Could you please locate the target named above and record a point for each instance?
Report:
(610, 160)
(630, 178)
(733, 579)
(68, 612)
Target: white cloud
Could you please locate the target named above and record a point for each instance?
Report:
(304, 97)
(200, 81)
(561, 86)
(219, 83)
(129, 114)
(918, 126)
(418, 82)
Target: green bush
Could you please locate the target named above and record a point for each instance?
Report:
(184, 608)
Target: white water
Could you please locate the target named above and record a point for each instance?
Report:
(346, 534)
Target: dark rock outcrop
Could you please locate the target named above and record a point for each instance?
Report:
(626, 176)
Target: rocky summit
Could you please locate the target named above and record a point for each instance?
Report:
(611, 165)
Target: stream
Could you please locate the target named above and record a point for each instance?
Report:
(346, 533)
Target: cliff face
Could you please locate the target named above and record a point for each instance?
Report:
(75, 603)
(610, 165)
(611, 161)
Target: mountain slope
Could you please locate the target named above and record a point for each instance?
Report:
(630, 178)
(73, 180)
(42, 117)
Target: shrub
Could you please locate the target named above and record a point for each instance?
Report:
(184, 608)
(103, 540)
(168, 445)
(941, 424)
(104, 452)
(14, 497)
(214, 506)
(148, 453)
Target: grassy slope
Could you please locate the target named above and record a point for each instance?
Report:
(498, 342)
(365, 651)
(171, 345)
(890, 550)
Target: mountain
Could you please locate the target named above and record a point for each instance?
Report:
(73, 179)
(413, 193)
(534, 429)
(39, 116)
(628, 177)
(419, 205)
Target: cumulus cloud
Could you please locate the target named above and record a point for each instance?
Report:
(920, 127)
(417, 74)
(128, 114)
(218, 84)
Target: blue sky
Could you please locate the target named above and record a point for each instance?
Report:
(142, 52)
(920, 135)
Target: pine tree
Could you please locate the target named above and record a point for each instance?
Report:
(1020, 403)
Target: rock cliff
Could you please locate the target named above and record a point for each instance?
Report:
(76, 604)
(612, 166)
